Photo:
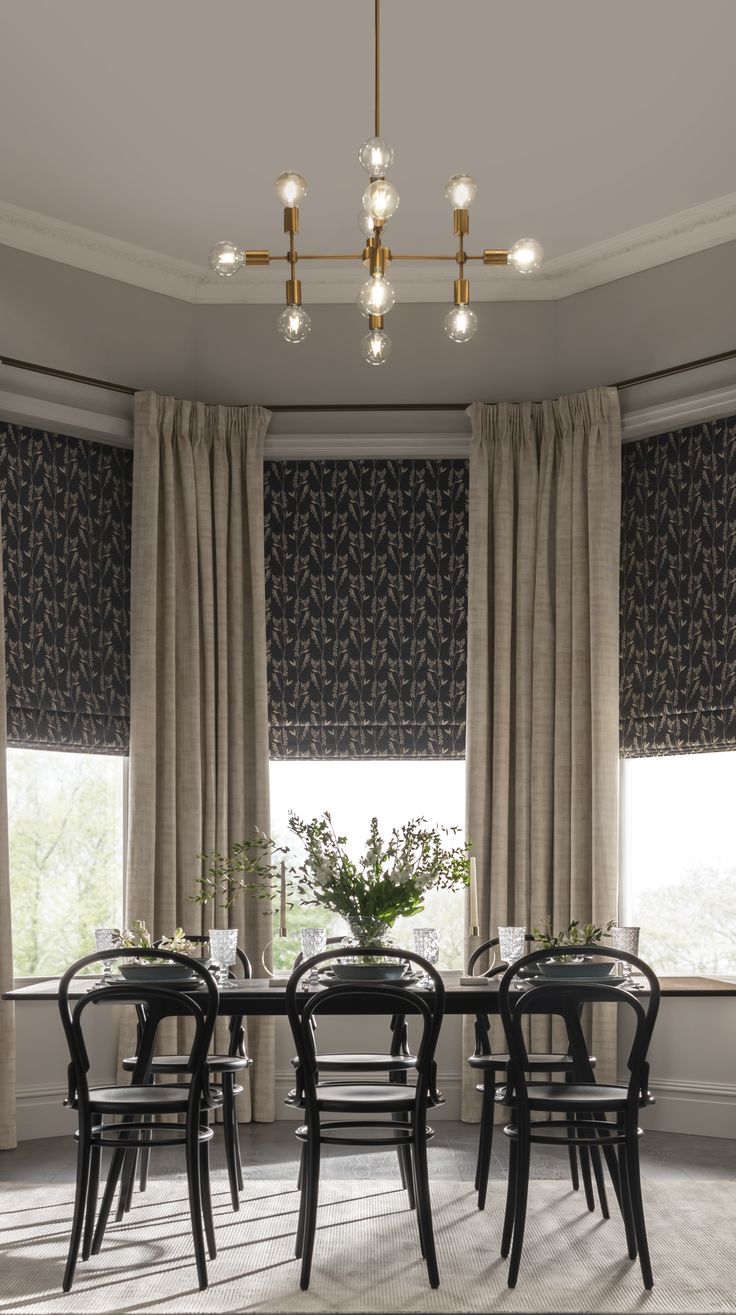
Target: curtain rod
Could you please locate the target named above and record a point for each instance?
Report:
(109, 387)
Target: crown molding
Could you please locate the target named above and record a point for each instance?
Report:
(682, 234)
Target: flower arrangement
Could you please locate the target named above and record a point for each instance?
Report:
(575, 935)
(138, 937)
(389, 881)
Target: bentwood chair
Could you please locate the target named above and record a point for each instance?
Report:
(603, 1117)
(139, 1102)
(494, 1070)
(225, 1068)
(380, 1113)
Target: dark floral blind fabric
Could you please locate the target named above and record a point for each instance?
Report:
(678, 592)
(66, 514)
(366, 589)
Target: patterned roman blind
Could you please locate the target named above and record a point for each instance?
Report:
(366, 594)
(678, 592)
(66, 507)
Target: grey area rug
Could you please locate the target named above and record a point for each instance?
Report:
(366, 1254)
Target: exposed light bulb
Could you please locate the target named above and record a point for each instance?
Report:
(460, 191)
(461, 323)
(376, 347)
(381, 200)
(226, 259)
(291, 188)
(376, 297)
(376, 157)
(366, 224)
(526, 255)
(294, 324)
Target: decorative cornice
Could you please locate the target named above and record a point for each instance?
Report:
(682, 234)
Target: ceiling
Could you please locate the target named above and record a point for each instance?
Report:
(138, 134)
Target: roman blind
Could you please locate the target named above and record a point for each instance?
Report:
(678, 592)
(66, 562)
(366, 598)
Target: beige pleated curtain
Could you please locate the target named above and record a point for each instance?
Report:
(7, 1011)
(543, 636)
(199, 715)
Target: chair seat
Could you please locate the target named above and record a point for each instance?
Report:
(365, 1098)
(538, 1063)
(559, 1097)
(178, 1063)
(171, 1098)
(362, 1063)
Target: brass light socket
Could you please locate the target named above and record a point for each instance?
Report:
(460, 222)
(261, 257)
(291, 218)
(495, 256)
(378, 259)
(462, 292)
(375, 321)
(293, 292)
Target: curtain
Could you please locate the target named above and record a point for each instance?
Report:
(199, 731)
(678, 592)
(366, 607)
(7, 1010)
(67, 505)
(543, 635)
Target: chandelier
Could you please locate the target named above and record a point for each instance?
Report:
(380, 201)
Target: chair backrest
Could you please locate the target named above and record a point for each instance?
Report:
(331, 940)
(365, 997)
(157, 1000)
(495, 966)
(539, 995)
(197, 939)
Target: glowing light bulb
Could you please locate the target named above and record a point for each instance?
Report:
(526, 255)
(381, 200)
(376, 157)
(376, 297)
(461, 323)
(460, 191)
(366, 224)
(376, 347)
(226, 259)
(294, 324)
(291, 188)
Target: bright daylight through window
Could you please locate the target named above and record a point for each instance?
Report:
(66, 817)
(679, 860)
(354, 792)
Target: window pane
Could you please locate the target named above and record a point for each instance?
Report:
(679, 860)
(65, 813)
(354, 792)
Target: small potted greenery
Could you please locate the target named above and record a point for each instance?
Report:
(569, 959)
(138, 937)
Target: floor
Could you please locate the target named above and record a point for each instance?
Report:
(270, 1151)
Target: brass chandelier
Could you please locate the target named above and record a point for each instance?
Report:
(380, 202)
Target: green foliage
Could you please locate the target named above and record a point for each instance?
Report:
(573, 934)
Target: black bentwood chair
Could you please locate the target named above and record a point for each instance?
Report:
(494, 1068)
(389, 1113)
(225, 1068)
(584, 1105)
(139, 1101)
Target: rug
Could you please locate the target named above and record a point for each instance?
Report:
(366, 1255)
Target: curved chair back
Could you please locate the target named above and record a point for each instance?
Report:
(495, 966)
(565, 998)
(157, 1000)
(365, 997)
(236, 1043)
(331, 940)
(198, 939)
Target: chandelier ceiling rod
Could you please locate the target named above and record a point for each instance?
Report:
(89, 381)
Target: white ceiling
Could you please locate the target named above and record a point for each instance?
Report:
(603, 129)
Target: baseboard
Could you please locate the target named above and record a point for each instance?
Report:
(698, 1109)
(40, 1112)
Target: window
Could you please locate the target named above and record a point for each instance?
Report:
(354, 792)
(66, 819)
(679, 860)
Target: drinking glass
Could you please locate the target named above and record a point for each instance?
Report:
(106, 938)
(427, 943)
(626, 938)
(223, 943)
(313, 940)
(511, 943)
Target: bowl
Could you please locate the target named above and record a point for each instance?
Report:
(155, 972)
(587, 968)
(369, 972)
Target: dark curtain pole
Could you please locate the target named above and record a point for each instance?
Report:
(12, 363)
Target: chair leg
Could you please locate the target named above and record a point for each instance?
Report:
(95, 1157)
(572, 1155)
(195, 1198)
(301, 1188)
(144, 1156)
(229, 1129)
(424, 1205)
(626, 1211)
(587, 1180)
(311, 1170)
(236, 1145)
(637, 1208)
(113, 1177)
(485, 1139)
(595, 1159)
(80, 1202)
(522, 1190)
(420, 1219)
(508, 1219)
(204, 1174)
(127, 1183)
